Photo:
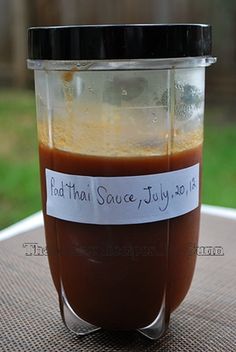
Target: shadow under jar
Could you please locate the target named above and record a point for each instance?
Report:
(120, 128)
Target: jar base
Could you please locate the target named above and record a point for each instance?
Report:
(159, 326)
(81, 327)
(71, 320)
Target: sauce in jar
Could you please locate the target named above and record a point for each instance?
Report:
(115, 276)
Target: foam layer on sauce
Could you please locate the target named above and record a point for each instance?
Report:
(113, 137)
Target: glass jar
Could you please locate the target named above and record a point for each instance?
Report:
(120, 126)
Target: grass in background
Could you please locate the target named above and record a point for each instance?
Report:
(19, 178)
(219, 162)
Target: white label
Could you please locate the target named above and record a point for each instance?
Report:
(124, 199)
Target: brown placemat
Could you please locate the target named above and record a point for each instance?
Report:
(30, 318)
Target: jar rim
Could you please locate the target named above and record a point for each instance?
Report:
(120, 65)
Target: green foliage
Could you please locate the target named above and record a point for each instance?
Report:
(19, 186)
(219, 166)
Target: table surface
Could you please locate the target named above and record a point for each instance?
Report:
(205, 321)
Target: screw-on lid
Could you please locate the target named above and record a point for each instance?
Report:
(126, 41)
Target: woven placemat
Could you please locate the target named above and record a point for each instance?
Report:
(30, 318)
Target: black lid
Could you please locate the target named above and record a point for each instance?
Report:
(101, 42)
